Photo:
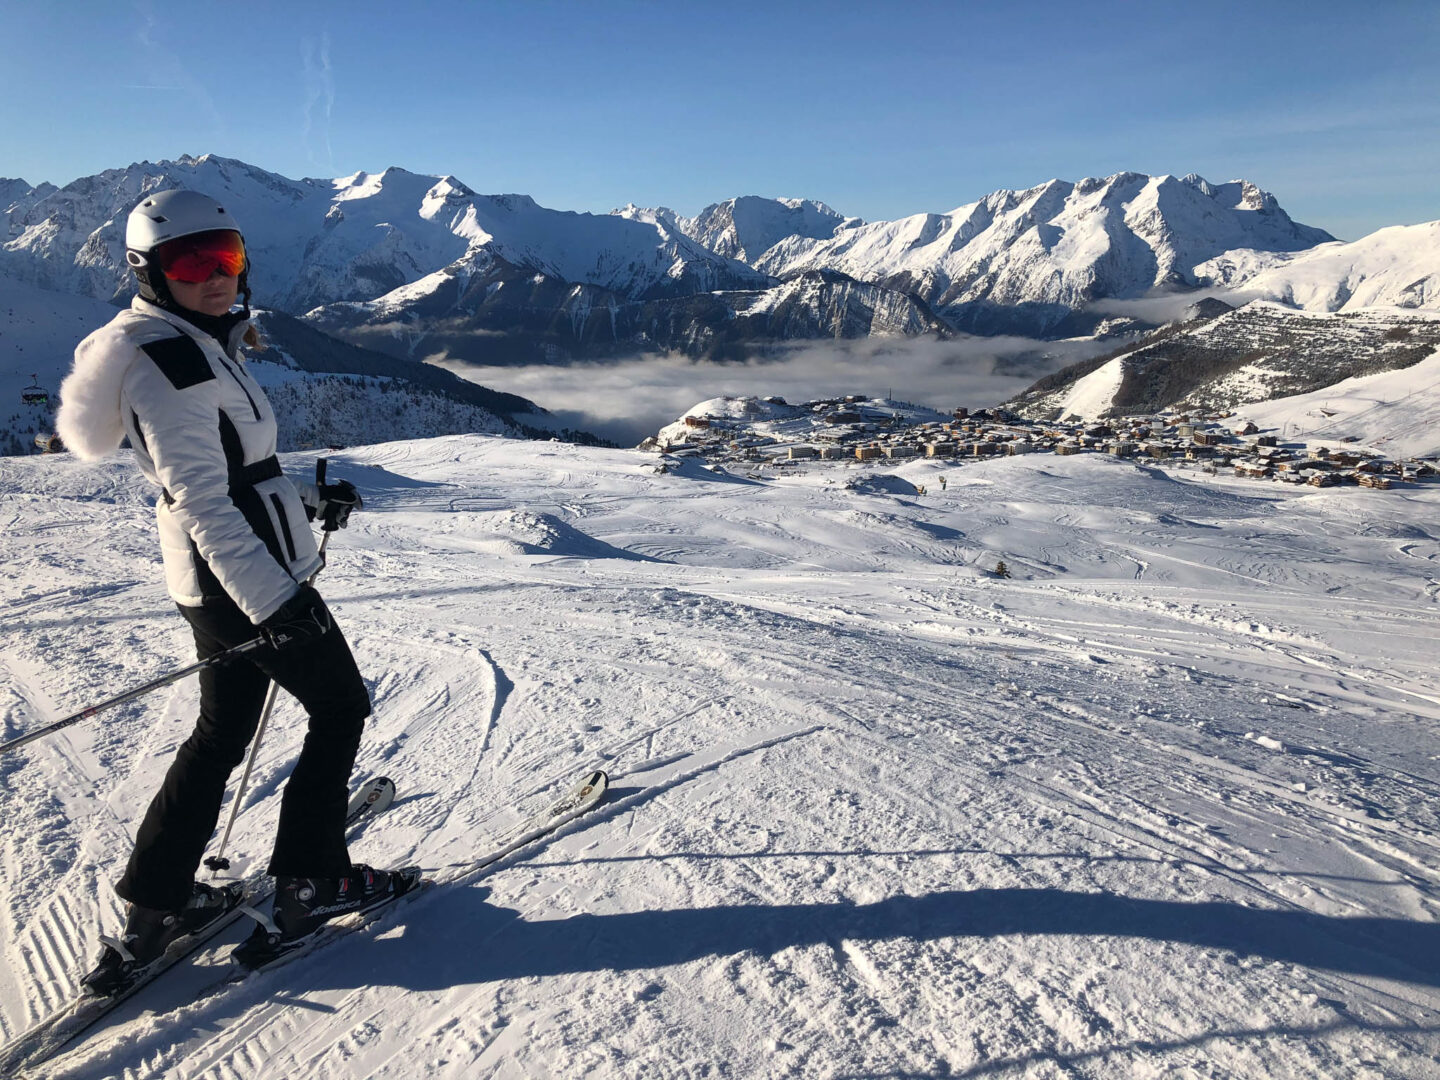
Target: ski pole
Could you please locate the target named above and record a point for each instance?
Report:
(131, 695)
(217, 862)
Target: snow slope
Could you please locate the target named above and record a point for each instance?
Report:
(1394, 267)
(1094, 394)
(1394, 412)
(1252, 354)
(1165, 803)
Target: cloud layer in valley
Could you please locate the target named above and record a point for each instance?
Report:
(632, 399)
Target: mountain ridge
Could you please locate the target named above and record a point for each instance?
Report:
(1028, 261)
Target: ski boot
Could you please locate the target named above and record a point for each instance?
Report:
(149, 932)
(303, 905)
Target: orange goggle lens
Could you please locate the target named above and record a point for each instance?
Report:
(194, 258)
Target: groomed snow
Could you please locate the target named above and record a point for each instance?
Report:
(1164, 803)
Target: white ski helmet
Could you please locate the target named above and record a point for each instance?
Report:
(168, 215)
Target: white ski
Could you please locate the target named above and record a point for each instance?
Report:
(51, 1035)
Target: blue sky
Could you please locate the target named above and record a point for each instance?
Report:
(879, 109)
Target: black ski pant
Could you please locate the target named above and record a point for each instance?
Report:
(310, 838)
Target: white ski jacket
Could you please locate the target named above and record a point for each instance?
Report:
(230, 522)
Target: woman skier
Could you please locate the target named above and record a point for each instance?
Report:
(238, 557)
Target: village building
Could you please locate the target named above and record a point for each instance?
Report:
(835, 428)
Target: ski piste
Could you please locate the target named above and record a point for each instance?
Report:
(584, 796)
(576, 801)
(579, 799)
(53, 1034)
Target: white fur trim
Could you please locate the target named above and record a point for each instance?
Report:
(88, 420)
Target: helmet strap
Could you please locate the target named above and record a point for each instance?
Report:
(152, 285)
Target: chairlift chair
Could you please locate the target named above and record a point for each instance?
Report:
(35, 394)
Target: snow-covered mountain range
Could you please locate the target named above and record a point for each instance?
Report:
(423, 268)
(1395, 267)
(423, 265)
(1026, 260)
(356, 238)
(748, 227)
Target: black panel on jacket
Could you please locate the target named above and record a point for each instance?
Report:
(242, 481)
(181, 360)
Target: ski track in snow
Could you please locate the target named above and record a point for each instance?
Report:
(1163, 804)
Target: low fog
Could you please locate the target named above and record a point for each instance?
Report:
(628, 400)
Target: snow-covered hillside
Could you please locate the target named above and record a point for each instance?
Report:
(1394, 412)
(1393, 267)
(39, 330)
(1164, 803)
(1217, 363)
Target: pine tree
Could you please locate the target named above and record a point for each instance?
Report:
(1001, 570)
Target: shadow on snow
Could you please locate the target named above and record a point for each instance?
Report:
(502, 945)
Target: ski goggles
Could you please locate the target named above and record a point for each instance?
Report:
(194, 258)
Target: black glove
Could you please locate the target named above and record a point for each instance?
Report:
(331, 503)
(304, 617)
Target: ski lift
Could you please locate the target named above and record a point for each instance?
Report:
(35, 394)
(48, 444)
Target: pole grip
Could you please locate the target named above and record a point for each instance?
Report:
(328, 526)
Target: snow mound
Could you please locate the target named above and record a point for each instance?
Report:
(522, 532)
(880, 484)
